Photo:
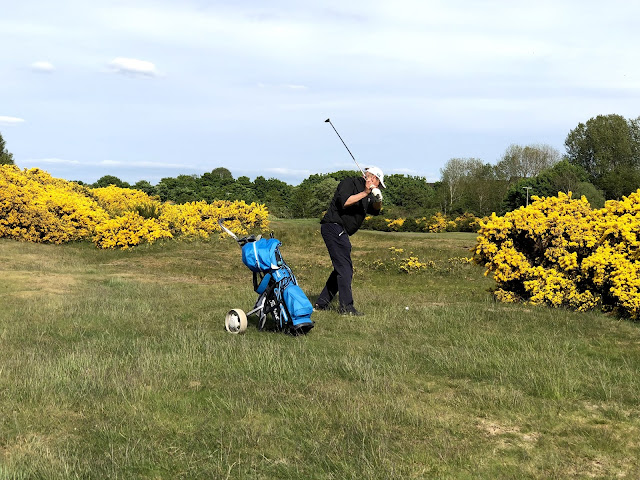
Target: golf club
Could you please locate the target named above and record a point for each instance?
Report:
(328, 120)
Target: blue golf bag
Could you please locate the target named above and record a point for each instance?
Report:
(279, 295)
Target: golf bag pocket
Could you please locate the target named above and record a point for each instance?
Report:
(281, 274)
(298, 307)
(262, 255)
(263, 284)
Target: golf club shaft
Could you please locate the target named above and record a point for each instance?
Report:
(345, 146)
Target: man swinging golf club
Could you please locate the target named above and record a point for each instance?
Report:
(354, 198)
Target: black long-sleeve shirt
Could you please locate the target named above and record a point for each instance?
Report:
(350, 217)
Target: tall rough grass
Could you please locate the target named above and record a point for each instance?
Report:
(116, 365)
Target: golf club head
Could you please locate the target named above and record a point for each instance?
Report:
(328, 120)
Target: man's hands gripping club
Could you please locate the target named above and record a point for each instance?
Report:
(371, 184)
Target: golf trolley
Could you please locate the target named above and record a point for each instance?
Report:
(279, 296)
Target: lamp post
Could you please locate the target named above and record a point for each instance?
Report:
(527, 189)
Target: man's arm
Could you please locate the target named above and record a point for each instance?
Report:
(355, 198)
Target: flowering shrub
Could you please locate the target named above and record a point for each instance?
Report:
(394, 225)
(400, 262)
(200, 219)
(434, 224)
(129, 230)
(118, 201)
(36, 207)
(467, 222)
(560, 252)
(437, 223)
(411, 264)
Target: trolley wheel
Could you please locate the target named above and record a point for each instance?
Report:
(235, 321)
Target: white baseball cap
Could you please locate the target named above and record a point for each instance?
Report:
(378, 173)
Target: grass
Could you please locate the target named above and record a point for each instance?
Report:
(116, 365)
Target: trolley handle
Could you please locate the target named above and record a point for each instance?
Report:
(241, 241)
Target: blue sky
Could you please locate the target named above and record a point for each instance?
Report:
(149, 89)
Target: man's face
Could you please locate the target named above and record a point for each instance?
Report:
(372, 180)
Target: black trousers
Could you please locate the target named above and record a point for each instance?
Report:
(339, 282)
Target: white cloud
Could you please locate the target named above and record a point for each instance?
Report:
(42, 67)
(55, 161)
(108, 163)
(10, 121)
(133, 66)
(143, 164)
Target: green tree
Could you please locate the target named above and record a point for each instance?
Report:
(261, 187)
(565, 176)
(107, 180)
(562, 177)
(245, 182)
(237, 191)
(186, 189)
(409, 194)
(484, 191)
(620, 181)
(593, 195)
(216, 178)
(222, 173)
(525, 162)
(455, 176)
(275, 194)
(146, 187)
(320, 196)
(6, 158)
(607, 147)
(452, 176)
(299, 202)
(340, 175)
(182, 189)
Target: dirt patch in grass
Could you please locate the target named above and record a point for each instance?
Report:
(511, 432)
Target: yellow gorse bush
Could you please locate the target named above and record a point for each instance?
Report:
(129, 230)
(200, 219)
(36, 207)
(394, 225)
(398, 261)
(560, 252)
(118, 201)
(437, 223)
(411, 264)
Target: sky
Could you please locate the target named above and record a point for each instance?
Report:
(150, 89)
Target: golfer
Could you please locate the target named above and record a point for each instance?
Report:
(354, 198)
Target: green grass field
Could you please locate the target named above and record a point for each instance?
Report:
(117, 365)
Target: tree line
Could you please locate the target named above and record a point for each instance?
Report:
(601, 162)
